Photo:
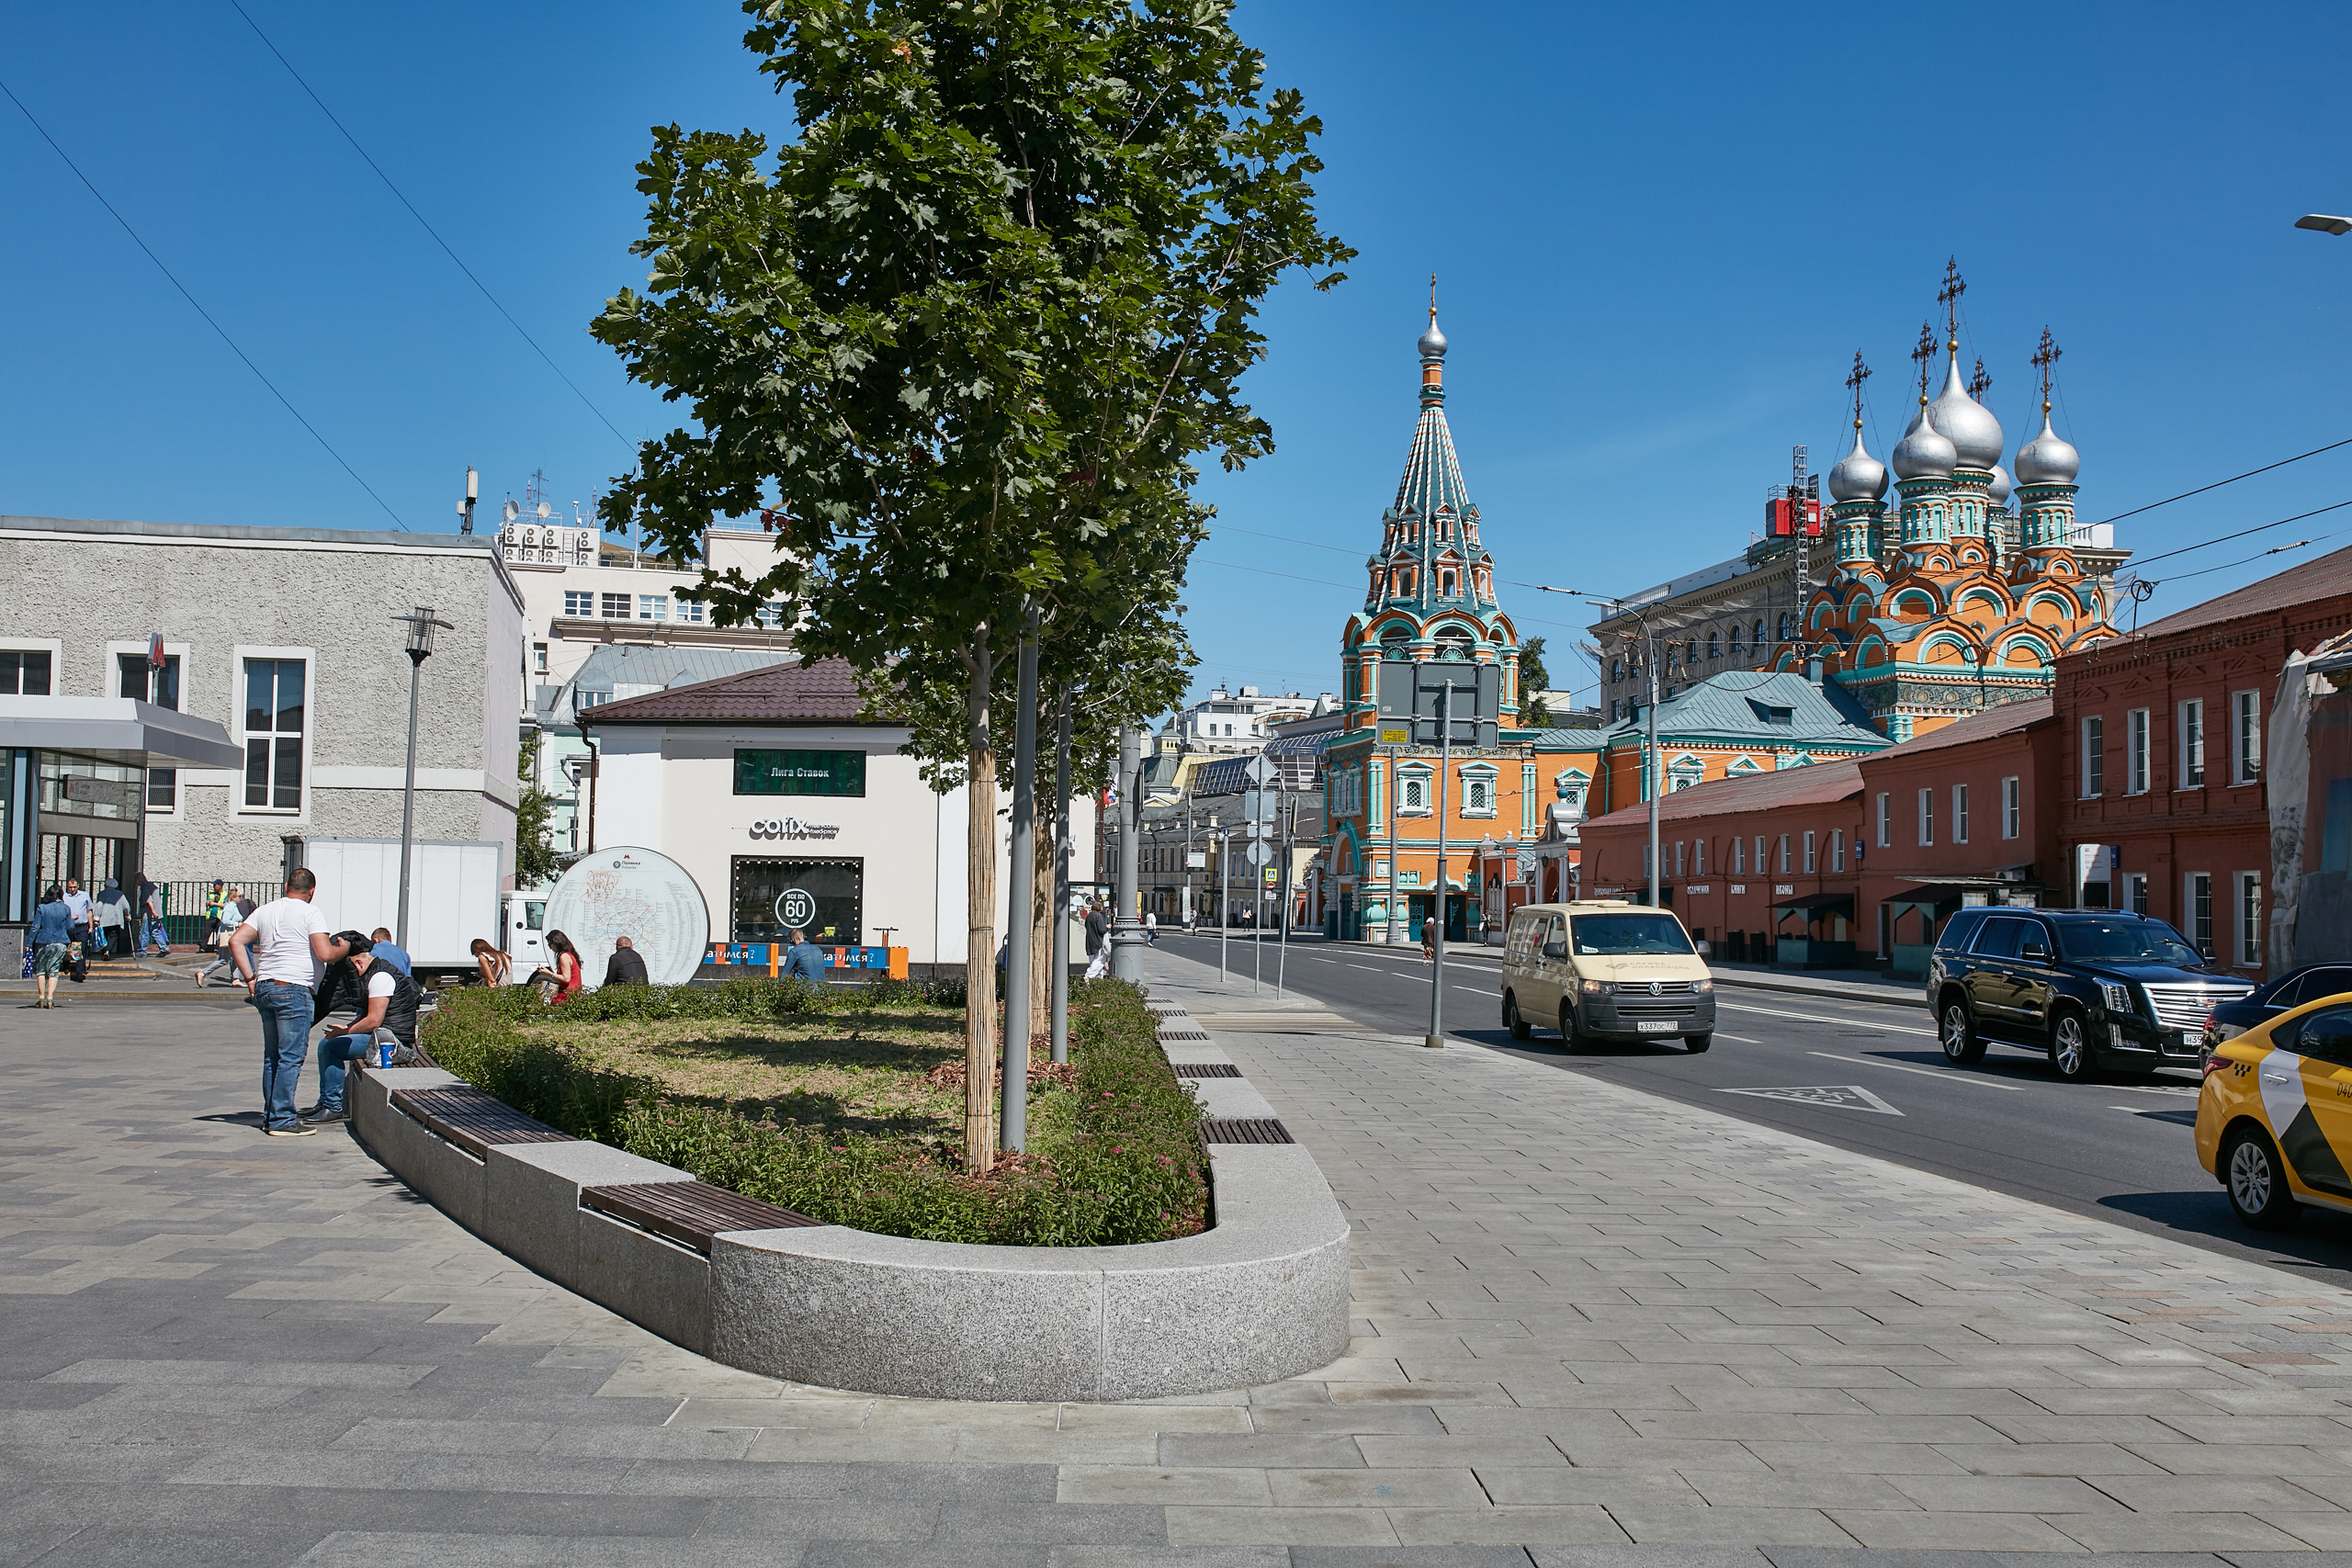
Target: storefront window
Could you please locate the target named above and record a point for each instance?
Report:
(824, 897)
(800, 772)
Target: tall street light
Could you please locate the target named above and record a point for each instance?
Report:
(420, 624)
(1652, 785)
(2326, 223)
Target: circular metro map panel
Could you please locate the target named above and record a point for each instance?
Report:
(636, 892)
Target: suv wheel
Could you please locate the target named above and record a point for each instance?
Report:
(1957, 1030)
(2070, 1048)
(2258, 1186)
(1520, 1028)
(1695, 1043)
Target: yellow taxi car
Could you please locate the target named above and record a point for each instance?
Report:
(2274, 1120)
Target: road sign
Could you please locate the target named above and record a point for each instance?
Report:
(1260, 805)
(1196, 860)
(1257, 854)
(1396, 736)
(1260, 770)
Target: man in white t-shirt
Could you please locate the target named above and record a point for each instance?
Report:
(280, 951)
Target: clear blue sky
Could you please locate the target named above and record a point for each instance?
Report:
(1661, 233)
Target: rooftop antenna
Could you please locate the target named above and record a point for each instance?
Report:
(466, 507)
(535, 497)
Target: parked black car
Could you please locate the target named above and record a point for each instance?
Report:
(2311, 982)
(2093, 988)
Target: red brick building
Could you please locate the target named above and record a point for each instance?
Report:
(2159, 784)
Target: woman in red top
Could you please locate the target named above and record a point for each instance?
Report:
(566, 976)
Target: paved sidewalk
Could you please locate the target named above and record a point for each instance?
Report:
(1588, 1319)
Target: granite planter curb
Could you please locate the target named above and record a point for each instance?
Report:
(1261, 1296)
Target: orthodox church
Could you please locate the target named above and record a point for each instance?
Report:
(1954, 604)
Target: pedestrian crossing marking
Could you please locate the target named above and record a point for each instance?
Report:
(1828, 1096)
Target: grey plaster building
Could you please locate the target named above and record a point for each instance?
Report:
(284, 637)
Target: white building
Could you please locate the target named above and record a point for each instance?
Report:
(788, 807)
(1242, 720)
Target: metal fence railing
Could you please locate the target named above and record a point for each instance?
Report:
(185, 903)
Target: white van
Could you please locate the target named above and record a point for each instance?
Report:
(1605, 969)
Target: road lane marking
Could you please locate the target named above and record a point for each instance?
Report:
(1824, 1096)
(1815, 1018)
(1928, 1072)
(1743, 1039)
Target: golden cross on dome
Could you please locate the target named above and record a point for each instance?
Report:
(1922, 354)
(1949, 297)
(1862, 374)
(1432, 299)
(1978, 382)
(2045, 360)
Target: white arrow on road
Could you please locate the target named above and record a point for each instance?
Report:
(1828, 1096)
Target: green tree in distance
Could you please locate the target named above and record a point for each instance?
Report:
(960, 343)
(1535, 711)
(535, 864)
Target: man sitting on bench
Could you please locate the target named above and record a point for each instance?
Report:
(391, 999)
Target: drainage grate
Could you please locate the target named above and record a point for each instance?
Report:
(1245, 1130)
(1207, 1070)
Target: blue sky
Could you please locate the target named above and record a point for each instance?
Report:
(1662, 232)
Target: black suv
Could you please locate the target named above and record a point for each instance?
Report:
(2094, 987)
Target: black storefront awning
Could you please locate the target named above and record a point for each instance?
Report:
(1939, 898)
(1814, 903)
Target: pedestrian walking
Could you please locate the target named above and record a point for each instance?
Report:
(110, 919)
(215, 902)
(387, 999)
(152, 936)
(1151, 928)
(51, 930)
(1428, 939)
(236, 908)
(281, 951)
(77, 946)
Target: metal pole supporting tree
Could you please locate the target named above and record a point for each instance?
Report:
(1225, 893)
(1282, 949)
(1437, 943)
(1012, 1121)
(1059, 1006)
(1127, 930)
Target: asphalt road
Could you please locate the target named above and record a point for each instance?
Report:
(1862, 1076)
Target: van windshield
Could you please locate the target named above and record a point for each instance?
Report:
(2124, 940)
(1606, 934)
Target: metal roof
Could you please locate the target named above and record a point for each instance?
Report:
(117, 729)
(1739, 705)
(826, 692)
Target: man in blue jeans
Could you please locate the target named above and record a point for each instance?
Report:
(391, 999)
(280, 951)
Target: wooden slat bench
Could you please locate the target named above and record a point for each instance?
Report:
(1206, 1070)
(688, 1213)
(1245, 1130)
(463, 1115)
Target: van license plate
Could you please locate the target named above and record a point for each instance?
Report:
(1656, 1026)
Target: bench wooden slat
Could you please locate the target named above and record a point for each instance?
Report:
(688, 1213)
(1245, 1130)
(463, 1115)
(1207, 1070)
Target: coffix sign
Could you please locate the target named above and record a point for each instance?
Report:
(794, 828)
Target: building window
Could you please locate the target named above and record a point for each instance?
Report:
(1811, 864)
(1417, 793)
(2094, 757)
(2198, 902)
(653, 607)
(1836, 848)
(1784, 855)
(2135, 891)
(2246, 751)
(579, 601)
(2249, 919)
(1678, 856)
(1735, 639)
(2135, 751)
(2012, 809)
(24, 672)
(1715, 646)
(539, 657)
(1959, 814)
(616, 606)
(1759, 854)
(136, 679)
(771, 614)
(1477, 795)
(1886, 819)
(273, 724)
(690, 611)
(1926, 818)
(1699, 859)
(2191, 729)
(1739, 857)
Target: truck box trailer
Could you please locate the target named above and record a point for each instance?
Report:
(453, 895)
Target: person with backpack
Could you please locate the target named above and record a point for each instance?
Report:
(386, 1000)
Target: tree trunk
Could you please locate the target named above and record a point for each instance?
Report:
(980, 955)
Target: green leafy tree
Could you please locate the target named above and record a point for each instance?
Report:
(961, 342)
(1535, 711)
(535, 858)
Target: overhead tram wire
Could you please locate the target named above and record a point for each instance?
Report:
(199, 309)
(428, 228)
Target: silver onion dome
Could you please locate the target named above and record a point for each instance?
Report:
(2049, 459)
(1969, 425)
(1925, 453)
(1858, 476)
(2000, 485)
(1432, 345)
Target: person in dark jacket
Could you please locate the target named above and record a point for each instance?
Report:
(389, 1000)
(626, 966)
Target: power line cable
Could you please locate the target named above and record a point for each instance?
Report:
(199, 309)
(2217, 484)
(2225, 538)
(428, 228)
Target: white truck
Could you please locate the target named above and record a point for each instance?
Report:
(453, 897)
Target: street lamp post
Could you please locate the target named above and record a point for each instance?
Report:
(1126, 928)
(422, 624)
(1653, 784)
